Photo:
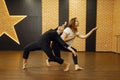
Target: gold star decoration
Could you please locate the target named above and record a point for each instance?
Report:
(7, 22)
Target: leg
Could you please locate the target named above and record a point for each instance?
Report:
(75, 59)
(27, 49)
(56, 50)
(49, 53)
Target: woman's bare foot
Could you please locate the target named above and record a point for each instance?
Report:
(67, 67)
(77, 68)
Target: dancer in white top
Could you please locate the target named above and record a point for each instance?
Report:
(68, 35)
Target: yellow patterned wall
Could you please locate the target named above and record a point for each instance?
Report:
(105, 25)
(105, 39)
(49, 14)
(116, 19)
(116, 26)
(77, 8)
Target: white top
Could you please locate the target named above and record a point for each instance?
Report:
(70, 33)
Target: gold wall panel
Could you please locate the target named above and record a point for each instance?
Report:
(50, 15)
(105, 25)
(116, 26)
(77, 8)
(116, 19)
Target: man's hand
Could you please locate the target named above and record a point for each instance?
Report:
(65, 23)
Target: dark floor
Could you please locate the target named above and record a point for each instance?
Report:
(98, 66)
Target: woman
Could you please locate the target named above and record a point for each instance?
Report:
(68, 35)
(44, 44)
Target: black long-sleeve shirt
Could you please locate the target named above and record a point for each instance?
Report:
(49, 36)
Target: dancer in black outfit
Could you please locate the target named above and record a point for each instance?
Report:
(57, 47)
(44, 44)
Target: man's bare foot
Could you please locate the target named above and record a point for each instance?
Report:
(47, 62)
(67, 67)
(24, 66)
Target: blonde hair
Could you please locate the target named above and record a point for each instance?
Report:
(72, 24)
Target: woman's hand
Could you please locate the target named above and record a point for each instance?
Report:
(73, 37)
(74, 53)
(95, 28)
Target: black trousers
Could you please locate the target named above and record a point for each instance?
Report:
(46, 48)
(58, 47)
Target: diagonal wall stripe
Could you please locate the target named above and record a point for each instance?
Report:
(77, 8)
(105, 9)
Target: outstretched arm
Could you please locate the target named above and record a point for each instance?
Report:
(88, 34)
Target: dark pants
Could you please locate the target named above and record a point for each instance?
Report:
(46, 48)
(58, 47)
